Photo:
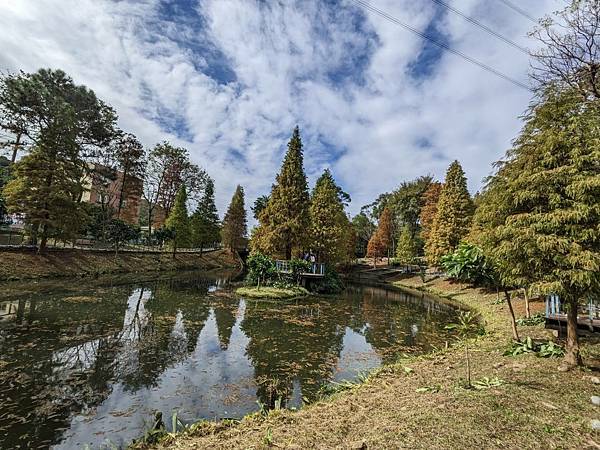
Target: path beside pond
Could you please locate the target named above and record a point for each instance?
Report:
(418, 403)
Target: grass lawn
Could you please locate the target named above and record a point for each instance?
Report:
(420, 402)
(271, 292)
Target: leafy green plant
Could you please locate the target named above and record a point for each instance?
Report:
(487, 383)
(261, 269)
(468, 264)
(551, 350)
(467, 324)
(536, 319)
(268, 439)
(544, 350)
(518, 348)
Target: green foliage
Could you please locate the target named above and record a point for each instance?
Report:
(539, 214)
(65, 124)
(453, 216)
(408, 246)
(468, 323)
(364, 228)
(259, 204)
(329, 223)
(118, 232)
(284, 222)
(4, 177)
(261, 269)
(297, 267)
(544, 350)
(551, 350)
(331, 283)
(536, 319)
(204, 222)
(234, 228)
(468, 264)
(178, 221)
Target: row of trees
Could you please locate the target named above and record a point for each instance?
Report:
(293, 221)
(69, 140)
(535, 224)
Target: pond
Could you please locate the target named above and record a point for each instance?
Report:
(91, 366)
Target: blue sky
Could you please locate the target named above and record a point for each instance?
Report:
(229, 79)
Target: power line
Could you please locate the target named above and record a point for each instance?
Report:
(514, 7)
(482, 26)
(483, 66)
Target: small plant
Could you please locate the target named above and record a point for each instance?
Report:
(487, 383)
(467, 324)
(518, 348)
(545, 350)
(268, 439)
(429, 389)
(551, 350)
(536, 319)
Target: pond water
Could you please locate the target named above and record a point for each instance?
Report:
(91, 366)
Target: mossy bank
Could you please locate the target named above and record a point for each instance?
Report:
(269, 292)
(28, 265)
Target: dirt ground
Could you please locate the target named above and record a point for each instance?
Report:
(26, 265)
(421, 402)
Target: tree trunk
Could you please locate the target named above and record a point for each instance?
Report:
(527, 309)
(16, 148)
(572, 355)
(42, 247)
(149, 222)
(468, 366)
(201, 248)
(513, 322)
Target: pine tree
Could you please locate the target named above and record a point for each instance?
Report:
(234, 223)
(205, 223)
(539, 215)
(178, 221)
(284, 222)
(453, 217)
(429, 209)
(64, 124)
(329, 223)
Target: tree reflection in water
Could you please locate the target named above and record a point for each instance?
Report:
(82, 366)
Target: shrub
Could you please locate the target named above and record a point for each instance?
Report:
(261, 269)
(468, 264)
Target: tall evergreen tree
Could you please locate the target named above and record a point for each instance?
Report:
(539, 215)
(178, 221)
(285, 221)
(329, 223)
(234, 223)
(453, 217)
(65, 125)
(429, 209)
(205, 223)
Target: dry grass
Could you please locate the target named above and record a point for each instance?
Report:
(535, 407)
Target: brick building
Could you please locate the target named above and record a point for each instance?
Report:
(103, 187)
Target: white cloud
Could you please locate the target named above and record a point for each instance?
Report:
(283, 55)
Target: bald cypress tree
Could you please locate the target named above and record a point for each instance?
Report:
(234, 223)
(380, 243)
(329, 229)
(453, 216)
(284, 222)
(539, 215)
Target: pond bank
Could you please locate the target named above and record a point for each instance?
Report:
(28, 265)
(419, 402)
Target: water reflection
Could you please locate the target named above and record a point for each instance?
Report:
(91, 366)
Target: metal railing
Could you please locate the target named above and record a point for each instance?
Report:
(284, 266)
